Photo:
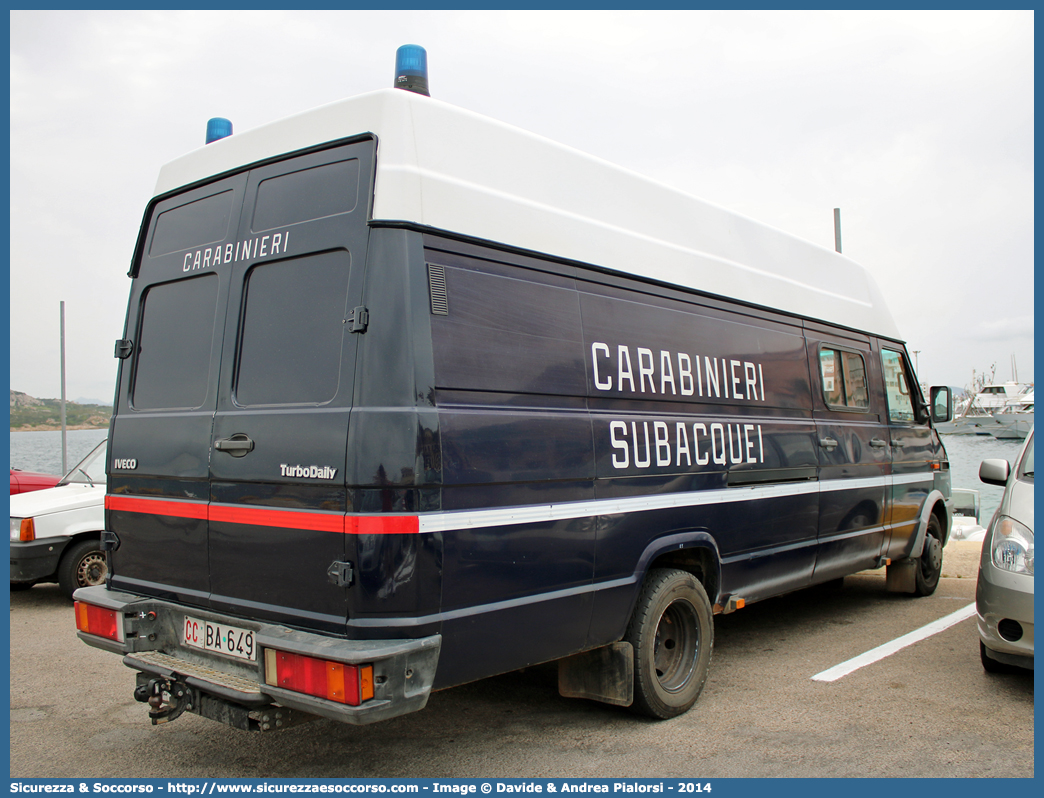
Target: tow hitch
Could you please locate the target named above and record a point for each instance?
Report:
(169, 697)
(166, 699)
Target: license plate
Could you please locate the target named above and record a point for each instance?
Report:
(229, 640)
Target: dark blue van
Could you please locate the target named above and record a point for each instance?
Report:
(408, 397)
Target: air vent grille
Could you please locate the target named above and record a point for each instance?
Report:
(437, 288)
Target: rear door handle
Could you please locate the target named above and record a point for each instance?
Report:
(877, 443)
(828, 443)
(238, 445)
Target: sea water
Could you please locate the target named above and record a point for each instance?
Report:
(966, 452)
(42, 451)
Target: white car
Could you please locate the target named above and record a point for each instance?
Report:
(56, 533)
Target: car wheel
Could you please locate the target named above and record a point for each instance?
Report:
(929, 566)
(672, 634)
(83, 565)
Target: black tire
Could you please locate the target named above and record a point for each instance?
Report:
(929, 565)
(992, 666)
(672, 633)
(82, 565)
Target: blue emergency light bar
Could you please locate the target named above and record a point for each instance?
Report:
(218, 128)
(411, 69)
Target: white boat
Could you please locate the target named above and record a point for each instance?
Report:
(965, 519)
(977, 417)
(1015, 431)
(967, 425)
(1015, 420)
(1020, 405)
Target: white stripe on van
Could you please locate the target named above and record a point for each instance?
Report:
(541, 513)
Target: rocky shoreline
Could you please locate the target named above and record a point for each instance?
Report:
(56, 427)
(29, 414)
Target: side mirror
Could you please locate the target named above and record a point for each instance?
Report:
(994, 472)
(942, 404)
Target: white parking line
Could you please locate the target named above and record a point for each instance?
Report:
(887, 649)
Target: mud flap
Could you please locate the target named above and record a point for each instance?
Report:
(901, 576)
(603, 674)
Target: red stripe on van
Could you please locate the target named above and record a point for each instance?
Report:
(265, 516)
(134, 504)
(285, 519)
(381, 525)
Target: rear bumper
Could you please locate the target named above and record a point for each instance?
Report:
(153, 643)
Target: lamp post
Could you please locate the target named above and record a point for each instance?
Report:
(65, 466)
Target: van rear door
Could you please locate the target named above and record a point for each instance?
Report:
(159, 447)
(227, 459)
(278, 498)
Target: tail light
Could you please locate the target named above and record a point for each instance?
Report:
(333, 681)
(98, 621)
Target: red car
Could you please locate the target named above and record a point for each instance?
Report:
(25, 481)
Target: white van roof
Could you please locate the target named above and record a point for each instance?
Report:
(447, 168)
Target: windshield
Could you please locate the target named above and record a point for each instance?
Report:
(90, 470)
(1026, 471)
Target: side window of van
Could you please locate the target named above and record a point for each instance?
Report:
(900, 403)
(175, 337)
(293, 324)
(844, 379)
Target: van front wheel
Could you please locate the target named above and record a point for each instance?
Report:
(83, 565)
(929, 566)
(672, 634)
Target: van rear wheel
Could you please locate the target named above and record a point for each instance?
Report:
(672, 634)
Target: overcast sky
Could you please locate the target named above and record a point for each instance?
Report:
(918, 125)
